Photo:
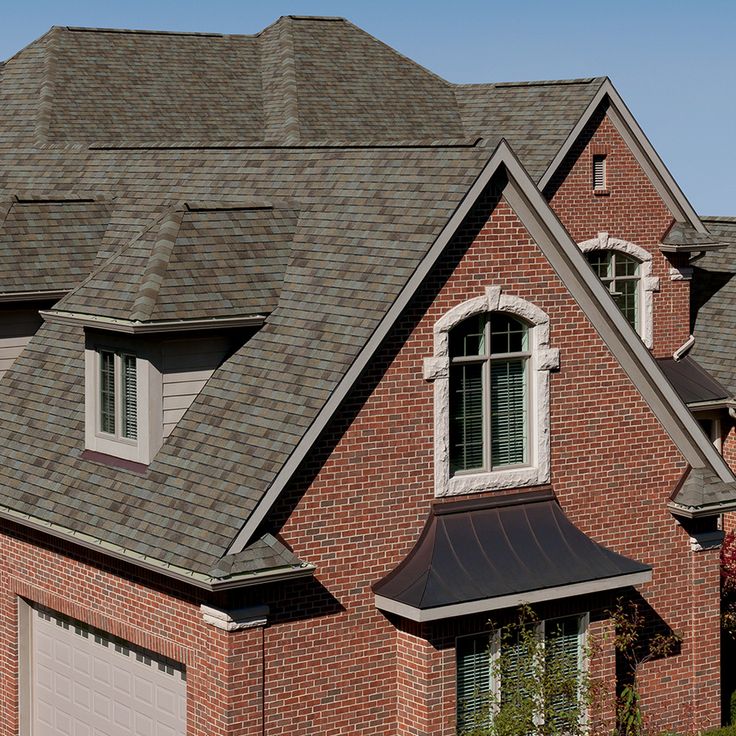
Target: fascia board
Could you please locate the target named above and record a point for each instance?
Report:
(110, 324)
(500, 154)
(572, 268)
(641, 148)
(421, 615)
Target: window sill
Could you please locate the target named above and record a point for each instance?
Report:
(601, 192)
(494, 481)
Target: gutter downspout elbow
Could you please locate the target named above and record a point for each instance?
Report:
(684, 349)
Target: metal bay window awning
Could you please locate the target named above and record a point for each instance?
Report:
(486, 554)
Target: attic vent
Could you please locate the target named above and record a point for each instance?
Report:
(599, 172)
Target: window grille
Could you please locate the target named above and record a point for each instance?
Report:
(488, 393)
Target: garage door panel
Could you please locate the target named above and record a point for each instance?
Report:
(84, 683)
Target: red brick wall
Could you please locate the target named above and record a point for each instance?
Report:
(612, 466)
(632, 210)
(223, 670)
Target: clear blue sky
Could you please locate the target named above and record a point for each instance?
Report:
(673, 61)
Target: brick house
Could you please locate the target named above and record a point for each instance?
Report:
(314, 363)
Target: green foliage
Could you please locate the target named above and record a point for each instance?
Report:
(732, 709)
(543, 690)
(725, 731)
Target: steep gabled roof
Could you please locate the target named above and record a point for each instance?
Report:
(534, 117)
(371, 223)
(199, 261)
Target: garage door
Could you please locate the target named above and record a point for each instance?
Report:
(86, 683)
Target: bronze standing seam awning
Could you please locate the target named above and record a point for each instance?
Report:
(486, 554)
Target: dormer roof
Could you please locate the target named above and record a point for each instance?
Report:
(198, 262)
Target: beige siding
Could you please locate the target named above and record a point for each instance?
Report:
(17, 326)
(187, 365)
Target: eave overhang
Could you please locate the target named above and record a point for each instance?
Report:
(500, 552)
(128, 327)
(32, 296)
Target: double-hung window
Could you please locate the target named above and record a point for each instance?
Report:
(118, 395)
(502, 677)
(489, 412)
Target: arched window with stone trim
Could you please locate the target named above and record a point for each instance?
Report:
(626, 271)
(491, 369)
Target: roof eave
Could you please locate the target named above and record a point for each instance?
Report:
(422, 615)
(190, 577)
(129, 327)
(699, 512)
(32, 296)
(692, 248)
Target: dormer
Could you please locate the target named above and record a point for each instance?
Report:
(166, 311)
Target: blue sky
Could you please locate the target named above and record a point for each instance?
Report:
(674, 62)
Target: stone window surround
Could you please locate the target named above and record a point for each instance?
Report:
(543, 359)
(648, 284)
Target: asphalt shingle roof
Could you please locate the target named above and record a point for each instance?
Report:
(713, 305)
(196, 262)
(366, 218)
(370, 149)
(49, 245)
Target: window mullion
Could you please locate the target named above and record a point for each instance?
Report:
(119, 408)
(487, 441)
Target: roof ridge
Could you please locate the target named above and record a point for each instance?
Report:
(158, 263)
(154, 32)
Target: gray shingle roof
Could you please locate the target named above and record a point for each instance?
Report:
(300, 80)
(49, 245)
(196, 262)
(367, 217)
(713, 303)
(692, 383)
(699, 489)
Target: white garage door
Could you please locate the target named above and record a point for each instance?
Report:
(85, 683)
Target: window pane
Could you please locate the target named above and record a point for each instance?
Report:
(508, 335)
(130, 397)
(468, 338)
(473, 682)
(107, 392)
(600, 261)
(626, 298)
(562, 662)
(626, 266)
(508, 412)
(466, 416)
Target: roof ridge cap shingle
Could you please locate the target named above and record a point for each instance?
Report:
(158, 263)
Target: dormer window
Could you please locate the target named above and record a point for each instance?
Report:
(123, 397)
(118, 397)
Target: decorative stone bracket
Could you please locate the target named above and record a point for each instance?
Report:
(236, 619)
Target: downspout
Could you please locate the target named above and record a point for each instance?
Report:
(684, 349)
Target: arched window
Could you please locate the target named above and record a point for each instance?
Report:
(626, 270)
(620, 273)
(490, 371)
(489, 425)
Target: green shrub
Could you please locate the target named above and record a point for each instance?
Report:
(725, 731)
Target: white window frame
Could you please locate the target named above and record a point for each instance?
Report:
(149, 403)
(494, 642)
(648, 284)
(541, 361)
